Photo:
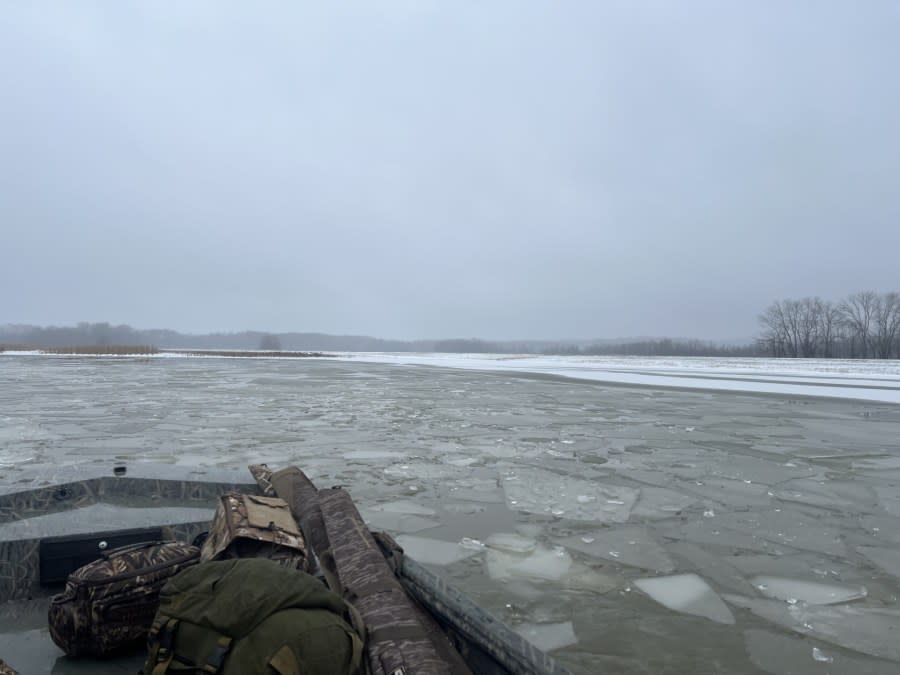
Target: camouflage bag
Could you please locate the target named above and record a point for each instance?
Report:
(401, 637)
(251, 526)
(251, 617)
(6, 669)
(110, 603)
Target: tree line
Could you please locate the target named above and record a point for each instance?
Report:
(861, 326)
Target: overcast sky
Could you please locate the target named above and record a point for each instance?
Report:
(408, 169)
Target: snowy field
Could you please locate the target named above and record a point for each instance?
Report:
(673, 525)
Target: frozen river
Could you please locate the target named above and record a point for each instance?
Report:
(631, 529)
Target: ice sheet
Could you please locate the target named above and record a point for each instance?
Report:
(779, 654)
(551, 494)
(657, 502)
(716, 568)
(888, 559)
(633, 546)
(770, 530)
(396, 522)
(434, 551)
(548, 636)
(810, 592)
(864, 629)
(541, 563)
(404, 506)
(735, 493)
(511, 542)
(687, 593)
(839, 496)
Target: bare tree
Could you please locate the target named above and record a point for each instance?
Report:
(886, 319)
(858, 312)
(829, 328)
(808, 322)
(270, 343)
(776, 335)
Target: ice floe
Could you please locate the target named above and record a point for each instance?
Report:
(810, 592)
(547, 493)
(399, 516)
(687, 593)
(716, 568)
(864, 629)
(435, 551)
(768, 530)
(548, 636)
(657, 502)
(541, 563)
(888, 559)
(511, 542)
(633, 546)
(780, 653)
(510, 559)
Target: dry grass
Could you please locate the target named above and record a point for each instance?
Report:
(225, 352)
(95, 350)
(144, 350)
(16, 348)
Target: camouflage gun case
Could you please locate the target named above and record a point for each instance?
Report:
(110, 603)
(251, 526)
(401, 637)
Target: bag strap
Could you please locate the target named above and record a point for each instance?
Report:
(284, 662)
(161, 652)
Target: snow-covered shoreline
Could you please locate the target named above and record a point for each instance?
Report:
(867, 380)
(864, 380)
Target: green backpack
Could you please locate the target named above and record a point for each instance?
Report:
(251, 616)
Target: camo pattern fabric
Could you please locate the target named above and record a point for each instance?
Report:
(111, 602)
(6, 669)
(251, 526)
(397, 641)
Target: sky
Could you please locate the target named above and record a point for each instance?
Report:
(505, 169)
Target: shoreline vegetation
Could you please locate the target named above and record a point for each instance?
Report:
(864, 325)
(149, 350)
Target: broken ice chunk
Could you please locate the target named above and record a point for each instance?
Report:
(656, 502)
(713, 567)
(400, 516)
(732, 492)
(374, 454)
(778, 654)
(404, 506)
(888, 559)
(826, 494)
(508, 541)
(548, 493)
(434, 551)
(542, 563)
(548, 636)
(819, 655)
(687, 593)
(633, 546)
(810, 592)
(864, 629)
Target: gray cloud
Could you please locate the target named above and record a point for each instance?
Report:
(445, 168)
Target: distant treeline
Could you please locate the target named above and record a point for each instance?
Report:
(105, 335)
(661, 347)
(863, 325)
